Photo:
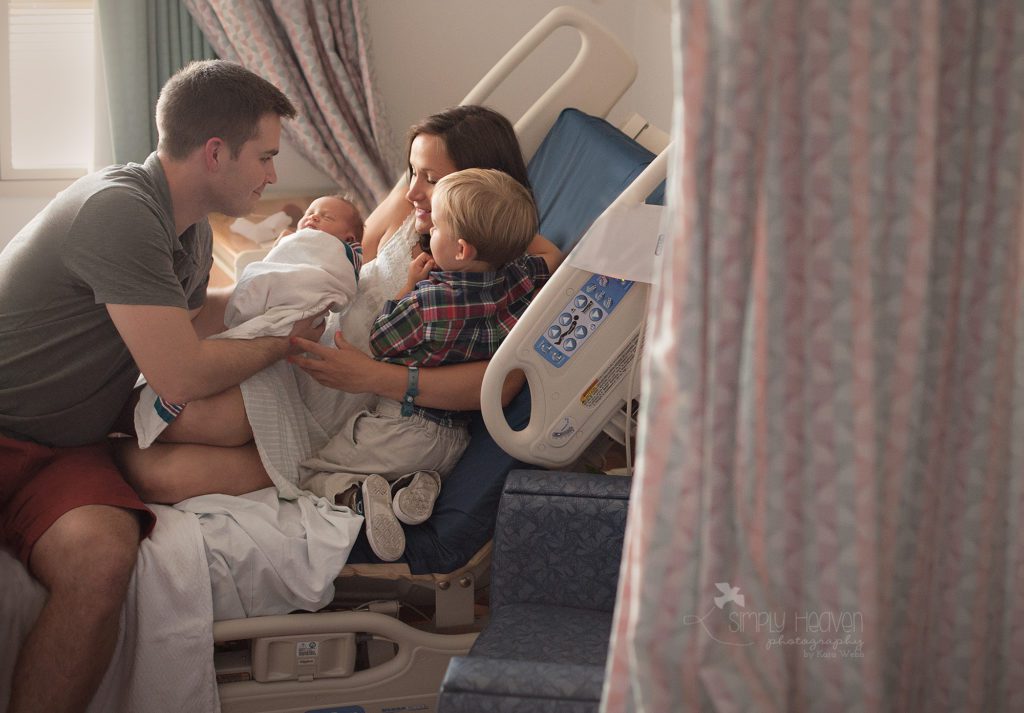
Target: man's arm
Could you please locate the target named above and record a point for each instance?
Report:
(209, 319)
(180, 366)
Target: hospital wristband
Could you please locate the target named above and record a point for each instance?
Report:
(412, 390)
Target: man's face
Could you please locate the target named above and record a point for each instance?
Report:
(241, 179)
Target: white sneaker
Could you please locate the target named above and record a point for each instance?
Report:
(414, 503)
(385, 533)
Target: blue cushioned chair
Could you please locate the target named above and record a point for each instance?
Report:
(554, 577)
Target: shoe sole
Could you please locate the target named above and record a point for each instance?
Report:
(414, 503)
(387, 539)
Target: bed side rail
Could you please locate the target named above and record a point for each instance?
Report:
(571, 402)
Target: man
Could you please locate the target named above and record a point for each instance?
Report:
(108, 280)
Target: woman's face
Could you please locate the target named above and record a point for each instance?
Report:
(428, 164)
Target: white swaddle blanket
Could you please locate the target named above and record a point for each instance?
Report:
(304, 274)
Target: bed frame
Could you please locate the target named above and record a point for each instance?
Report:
(383, 655)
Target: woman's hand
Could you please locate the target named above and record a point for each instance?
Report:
(544, 248)
(344, 368)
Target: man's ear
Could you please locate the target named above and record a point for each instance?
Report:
(215, 152)
(466, 252)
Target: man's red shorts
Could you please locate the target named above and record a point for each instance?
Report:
(38, 484)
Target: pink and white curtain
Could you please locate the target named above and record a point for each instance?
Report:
(829, 507)
(317, 53)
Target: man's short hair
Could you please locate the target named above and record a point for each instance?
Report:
(215, 98)
(491, 211)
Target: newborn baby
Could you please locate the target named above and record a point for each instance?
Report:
(306, 272)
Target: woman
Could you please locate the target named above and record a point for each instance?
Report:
(285, 414)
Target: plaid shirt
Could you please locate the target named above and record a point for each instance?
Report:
(455, 317)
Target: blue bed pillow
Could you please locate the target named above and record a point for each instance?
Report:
(582, 165)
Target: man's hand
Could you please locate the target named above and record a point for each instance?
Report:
(311, 329)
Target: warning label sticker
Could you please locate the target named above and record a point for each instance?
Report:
(307, 651)
(599, 388)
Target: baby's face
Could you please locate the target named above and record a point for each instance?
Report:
(332, 215)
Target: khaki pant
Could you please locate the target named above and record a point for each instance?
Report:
(380, 441)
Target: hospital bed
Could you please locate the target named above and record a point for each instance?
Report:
(385, 642)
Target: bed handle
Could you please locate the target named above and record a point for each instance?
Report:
(425, 652)
(600, 54)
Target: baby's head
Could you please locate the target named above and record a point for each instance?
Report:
(335, 215)
(480, 216)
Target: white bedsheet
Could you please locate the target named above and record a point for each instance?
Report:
(269, 556)
(164, 655)
(266, 556)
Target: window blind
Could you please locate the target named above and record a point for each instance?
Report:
(52, 83)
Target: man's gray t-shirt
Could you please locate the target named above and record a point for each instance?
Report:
(65, 373)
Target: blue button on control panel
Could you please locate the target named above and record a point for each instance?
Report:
(583, 314)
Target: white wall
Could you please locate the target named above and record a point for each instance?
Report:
(428, 55)
(16, 211)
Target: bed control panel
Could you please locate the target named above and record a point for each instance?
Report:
(578, 343)
(581, 317)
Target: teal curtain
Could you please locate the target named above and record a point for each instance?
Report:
(144, 42)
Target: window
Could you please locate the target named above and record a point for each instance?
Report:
(47, 78)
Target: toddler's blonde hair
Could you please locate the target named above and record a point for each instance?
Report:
(491, 211)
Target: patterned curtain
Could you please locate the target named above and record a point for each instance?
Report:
(829, 505)
(143, 44)
(317, 53)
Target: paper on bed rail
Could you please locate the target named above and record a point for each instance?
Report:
(624, 242)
